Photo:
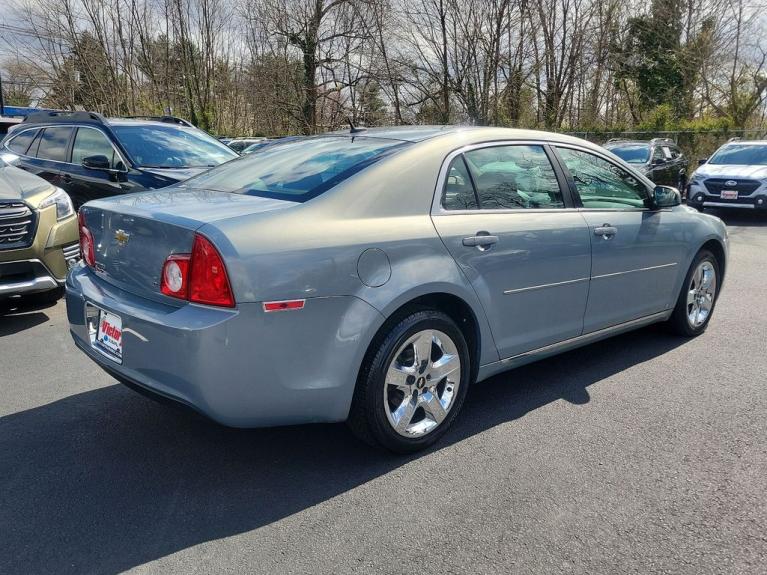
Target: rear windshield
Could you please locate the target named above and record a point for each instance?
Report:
(297, 170)
(155, 146)
(633, 153)
(741, 154)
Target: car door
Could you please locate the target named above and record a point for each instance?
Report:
(505, 215)
(84, 184)
(658, 166)
(637, 252)
(46, 152)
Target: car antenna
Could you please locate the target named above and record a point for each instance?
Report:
(354, 129)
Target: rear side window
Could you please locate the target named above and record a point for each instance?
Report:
(92, 142)
(53, 145)
(459, 190)
(514, 177)
(297, 170)
(20, 144)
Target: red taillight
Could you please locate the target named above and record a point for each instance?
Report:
(87, 247)
(199, 277)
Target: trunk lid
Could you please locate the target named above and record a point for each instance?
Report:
(134, 234)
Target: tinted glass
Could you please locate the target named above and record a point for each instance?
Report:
(20, 143)
(632, 153)
(513, 177)
(53, 145)
(602, 184)
(741, 154)
(156, 146)
(297, 170)
(90, 142)
(459, 190)
(657, 154)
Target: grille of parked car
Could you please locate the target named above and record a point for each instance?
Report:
(17, 224)
(743, 187)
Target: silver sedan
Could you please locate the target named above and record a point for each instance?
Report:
(373, 277)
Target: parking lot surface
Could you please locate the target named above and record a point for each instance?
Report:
(644, 453)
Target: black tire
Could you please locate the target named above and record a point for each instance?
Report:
(679, 322)
(368, 418)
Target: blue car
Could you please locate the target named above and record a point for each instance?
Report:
(374, 277)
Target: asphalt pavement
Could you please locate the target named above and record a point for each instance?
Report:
(645, 453)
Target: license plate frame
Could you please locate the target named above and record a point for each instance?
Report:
(105, 330)
(729, 194)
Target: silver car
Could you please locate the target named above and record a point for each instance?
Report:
(373, 277)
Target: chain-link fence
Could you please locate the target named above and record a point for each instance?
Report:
(696, 144)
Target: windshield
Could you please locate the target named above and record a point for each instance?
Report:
(297, 170)
(741, 154)
(632, 153)
(155, 146)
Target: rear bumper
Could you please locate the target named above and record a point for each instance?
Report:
(241, 367)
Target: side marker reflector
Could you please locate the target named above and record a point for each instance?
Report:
(284, 305)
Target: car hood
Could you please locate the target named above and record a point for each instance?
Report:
(17, 184)
(177, 174)
(731, 171)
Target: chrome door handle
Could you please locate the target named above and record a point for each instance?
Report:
(606, 231)
(482, 241)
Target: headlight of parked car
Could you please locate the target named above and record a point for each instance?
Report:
(60, 198)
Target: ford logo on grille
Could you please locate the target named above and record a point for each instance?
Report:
(731, 183)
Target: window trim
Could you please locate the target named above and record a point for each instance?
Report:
(119, 155)
(437, 209)
(621, 164)
(70, 145)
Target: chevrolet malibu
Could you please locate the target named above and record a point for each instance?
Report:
(374, 276)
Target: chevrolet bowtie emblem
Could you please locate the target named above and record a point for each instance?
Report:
(121, 237)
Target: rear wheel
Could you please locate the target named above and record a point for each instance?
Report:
(697, 299)
(413, 383)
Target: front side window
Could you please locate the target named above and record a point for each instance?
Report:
(20, 144)
(657, 155)
(53, 144)
(740, 155)
(514, 177)
(91, 142)
(160, 146)
(602, 184)
(298, 170)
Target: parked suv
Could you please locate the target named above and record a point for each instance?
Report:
(660, 159)
(39, 240)
(93, 157)
(734, 177)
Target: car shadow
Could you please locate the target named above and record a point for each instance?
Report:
(21, 313)
(107, 480)
(740, 217)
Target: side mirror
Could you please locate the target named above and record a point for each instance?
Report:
(658, 162)
(702, 161)
(666, 197)
(96, 163)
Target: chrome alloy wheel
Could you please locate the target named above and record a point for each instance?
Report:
(422, 383)
(701, 294)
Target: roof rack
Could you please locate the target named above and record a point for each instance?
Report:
(736, 139)
(165, 119)
(662, 141)
(53, 117)
(613, 140)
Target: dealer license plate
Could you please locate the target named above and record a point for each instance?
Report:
(729, 194)
(110, 332)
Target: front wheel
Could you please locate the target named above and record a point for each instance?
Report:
(412, 384)
(697, 299)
